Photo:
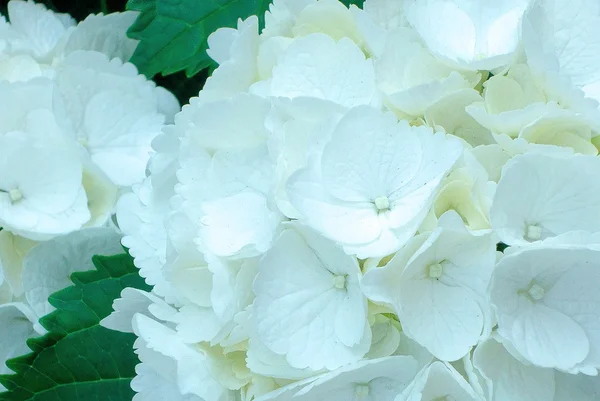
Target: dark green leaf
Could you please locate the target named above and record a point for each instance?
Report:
(358, 3)
(173, 33)
(79, 359)
(501, 246)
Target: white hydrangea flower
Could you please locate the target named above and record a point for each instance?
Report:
(373, 210)
(75, 132)
(376, 379)
(542, 195)
(43, 196)
(115, 118)
(328, 295)
(545, 297)
(327, 216)
(439, 281)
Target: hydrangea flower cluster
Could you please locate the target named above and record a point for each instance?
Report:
(322, 221)
(76, 124)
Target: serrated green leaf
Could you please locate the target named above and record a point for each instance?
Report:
(358, 3)
(79, 359)
(173, 33)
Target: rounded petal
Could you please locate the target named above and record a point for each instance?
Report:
(541, 196)
(544, 297)
(317, 66)
(314, 317)
(480, 35)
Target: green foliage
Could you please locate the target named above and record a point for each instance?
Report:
(173, 33)
(79, 359)
(358, 3)
(501, 246)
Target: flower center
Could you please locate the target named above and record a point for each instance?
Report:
(339, 282)
(536, 292)
(361, 391)
(382, 203)
(15, 195)
(533, 232)
(435, 270)
(82, 141)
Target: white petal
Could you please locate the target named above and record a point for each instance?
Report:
(106, 34)
(576, 387)
(228, 229)
(17, 326)
(438, 380)
(371, 159)
(378, 379)
(346, 222)
(444, 311)
(449, 113)
(510, 379)
(544, 299)
(40, 29)
(317, 66)
(386, 337)
(193, 373)
(314, 317)
(553, 193)
(131, 301)
(119, 128)
(563, 35)
(47, 268)
(482, 35)
(233, 123)
(13, 250)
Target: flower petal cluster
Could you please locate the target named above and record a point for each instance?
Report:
(393, 203)
(76, 126)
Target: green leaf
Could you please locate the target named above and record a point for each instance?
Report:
(358, 3)
(79, 359)
(173, 33)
